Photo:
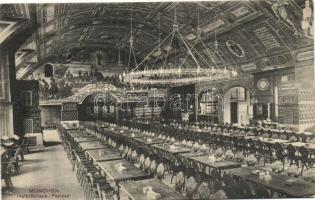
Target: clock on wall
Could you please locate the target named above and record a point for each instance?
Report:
(263, 84)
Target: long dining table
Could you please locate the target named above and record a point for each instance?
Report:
(91, 145)
(149, 141)
(128, 172)
(169, 148)
(120, 171)
(105, 154)
(141, 190)
(205, 162)
(290, 186)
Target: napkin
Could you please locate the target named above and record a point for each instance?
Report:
(172, 147)
(150, 194)
(120, 167)
(212, 158)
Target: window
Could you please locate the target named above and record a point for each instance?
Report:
(49, 70)
(27, 98)
(28, 125)
(238, 94)
(208, 104)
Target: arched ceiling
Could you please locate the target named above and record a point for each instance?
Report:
(256, 30)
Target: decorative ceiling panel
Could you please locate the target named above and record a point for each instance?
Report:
(247, 31)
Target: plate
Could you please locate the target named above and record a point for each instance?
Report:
(255, 171)
(290, 182)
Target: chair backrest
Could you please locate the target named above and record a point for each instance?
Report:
(125, 153)
(243, 188)
(153, 166)
(291, 151)
(293, 138)
(134, 155)
(179, 181)
(261, 191)
(275, 135)
(228, 180)
(160, 170)
(279, 150)
(283, 136)
(6, 165)
(191, 184)
(121, 148)
(266, 134)
(129, 153)
(203, 191)
(304, 152)
(147, 163)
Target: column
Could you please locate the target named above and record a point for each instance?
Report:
(6, 105)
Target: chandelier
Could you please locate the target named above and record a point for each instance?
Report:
(177, 74)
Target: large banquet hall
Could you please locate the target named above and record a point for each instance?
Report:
(157, 100)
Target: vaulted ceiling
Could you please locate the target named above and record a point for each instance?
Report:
(251, 35)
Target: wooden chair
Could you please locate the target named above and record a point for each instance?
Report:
(243, 189)
(229, 185)
(6, 174)
(305, 158)
(179, 181)
(160, 171)
(279, 152)
(291, 151)
(191, 186)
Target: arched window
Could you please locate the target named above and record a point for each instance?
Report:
(49, 70)
(238, 94)
(208, 103)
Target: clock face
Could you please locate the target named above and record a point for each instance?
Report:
(263, 84)
(100, 100)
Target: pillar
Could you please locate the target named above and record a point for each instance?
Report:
(6, 101)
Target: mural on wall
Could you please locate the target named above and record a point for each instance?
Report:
(68, 78)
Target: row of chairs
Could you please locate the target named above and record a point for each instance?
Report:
(286, 135)
(184, 178)
(94, 184)
(10, 164)
(263, 151)
(188, 179)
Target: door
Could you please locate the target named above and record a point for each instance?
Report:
(234, 112)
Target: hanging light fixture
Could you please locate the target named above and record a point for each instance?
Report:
(178, 75)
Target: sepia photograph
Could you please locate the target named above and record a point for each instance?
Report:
(157, 100)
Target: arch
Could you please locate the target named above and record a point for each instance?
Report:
(82, 97)
(228, 87)
(209, 104)
(97, 106)
(49, 70)
(237, 108)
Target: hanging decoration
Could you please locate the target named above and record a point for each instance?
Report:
(177, 74)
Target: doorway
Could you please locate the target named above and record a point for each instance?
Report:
(234, 112)
(237, 109)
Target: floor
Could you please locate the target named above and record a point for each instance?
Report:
(46, 174)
